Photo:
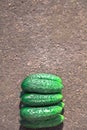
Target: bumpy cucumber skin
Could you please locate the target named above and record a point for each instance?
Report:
(40, 113)
(42, 83)
(41, 99)
(43, 124)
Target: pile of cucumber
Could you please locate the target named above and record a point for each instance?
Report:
(42, 101)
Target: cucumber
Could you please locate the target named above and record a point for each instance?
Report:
(43, 124)
(41, 99)
(40, 113)
(46, 76)
(42, 83)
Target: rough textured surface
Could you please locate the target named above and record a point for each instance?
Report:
(44, 36)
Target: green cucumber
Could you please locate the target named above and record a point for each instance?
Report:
(42, 83)
(41, 99)
(43, 124)
(46, 76)
(40, 113)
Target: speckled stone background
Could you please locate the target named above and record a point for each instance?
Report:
(43, 36)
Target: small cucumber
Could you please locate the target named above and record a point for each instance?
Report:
(46, 76)
(42, 83)
(43, 124)
(40, 113)
(41, 99)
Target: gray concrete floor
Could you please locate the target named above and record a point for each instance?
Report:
(44, 36)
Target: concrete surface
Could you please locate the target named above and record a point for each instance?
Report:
(43, 36)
